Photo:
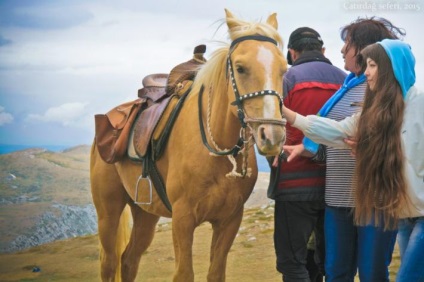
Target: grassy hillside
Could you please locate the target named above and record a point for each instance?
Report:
(32, 180)
(251, 257)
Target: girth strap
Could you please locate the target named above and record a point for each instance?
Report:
(150, 169)
(155, 150)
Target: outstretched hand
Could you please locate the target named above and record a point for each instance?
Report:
(351, 142)
(275, 162)
(289, 115)
(291, 152)
(294, 151)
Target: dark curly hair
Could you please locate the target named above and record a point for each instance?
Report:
(365, 31)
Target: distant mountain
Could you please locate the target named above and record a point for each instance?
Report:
(8, 148)
(44, 196)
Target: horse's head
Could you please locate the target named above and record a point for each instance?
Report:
(256, 67)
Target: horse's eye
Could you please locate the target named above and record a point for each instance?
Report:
(240, 69)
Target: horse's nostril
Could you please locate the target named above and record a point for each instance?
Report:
(262, 133)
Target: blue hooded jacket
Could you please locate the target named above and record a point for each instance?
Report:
(403, 62)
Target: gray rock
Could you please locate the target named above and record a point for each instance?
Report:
(71, 221)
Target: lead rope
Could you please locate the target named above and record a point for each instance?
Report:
(245, 171)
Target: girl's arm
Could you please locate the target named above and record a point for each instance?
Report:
(324, 130)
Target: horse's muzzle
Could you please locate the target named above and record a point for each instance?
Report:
(270, 138)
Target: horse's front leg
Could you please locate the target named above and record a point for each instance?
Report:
(183, 226)
(224, 233)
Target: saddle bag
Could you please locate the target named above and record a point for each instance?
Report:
(112, 130)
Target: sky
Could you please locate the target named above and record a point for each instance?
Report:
(62, 61)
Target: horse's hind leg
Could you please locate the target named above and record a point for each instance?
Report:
(141, 236)
(224, 233)
(109, 211)
(110, 198)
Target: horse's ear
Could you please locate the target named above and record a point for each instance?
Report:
(272, 20)
(229, 19)
(228, 14)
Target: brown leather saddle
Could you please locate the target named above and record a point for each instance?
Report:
(129, 127)
(157, 100)
(165, 95)
(141, 128)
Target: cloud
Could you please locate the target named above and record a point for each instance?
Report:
(4, 41)
(43, 14)
(54, 53)
(5, 117)
(68, 115)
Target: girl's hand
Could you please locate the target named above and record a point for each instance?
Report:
(275, 162)
(351, 142)
(294, 151)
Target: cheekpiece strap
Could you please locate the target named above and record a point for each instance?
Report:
(239, 99)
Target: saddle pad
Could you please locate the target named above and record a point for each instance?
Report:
(130, 148)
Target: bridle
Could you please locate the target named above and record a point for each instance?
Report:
(239, 99)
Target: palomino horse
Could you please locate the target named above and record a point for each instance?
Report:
(235, 93)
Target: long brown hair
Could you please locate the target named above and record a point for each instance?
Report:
(381, 186)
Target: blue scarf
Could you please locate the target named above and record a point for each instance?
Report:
(350, 82)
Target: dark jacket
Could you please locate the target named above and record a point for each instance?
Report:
(307, 85)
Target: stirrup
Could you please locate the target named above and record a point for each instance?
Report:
(136, 191)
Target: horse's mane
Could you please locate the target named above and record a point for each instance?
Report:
(213, 72)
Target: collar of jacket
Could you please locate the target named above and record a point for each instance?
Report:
(311, 56)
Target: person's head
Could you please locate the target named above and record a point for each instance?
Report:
(381, 186)
(394, 62)
(363, 32)
(377, 67)
(301, 40)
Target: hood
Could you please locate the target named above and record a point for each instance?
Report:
(403, 62)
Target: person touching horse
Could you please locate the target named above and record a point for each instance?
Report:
(347, 245)
(388, 138)
(298, 187)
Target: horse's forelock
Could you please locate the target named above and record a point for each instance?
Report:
(211, 72)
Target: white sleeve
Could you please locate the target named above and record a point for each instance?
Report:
(413, 133)
(327, 131)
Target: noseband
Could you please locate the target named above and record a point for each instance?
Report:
(239, 99)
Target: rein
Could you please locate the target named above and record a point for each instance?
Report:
(234, 151)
